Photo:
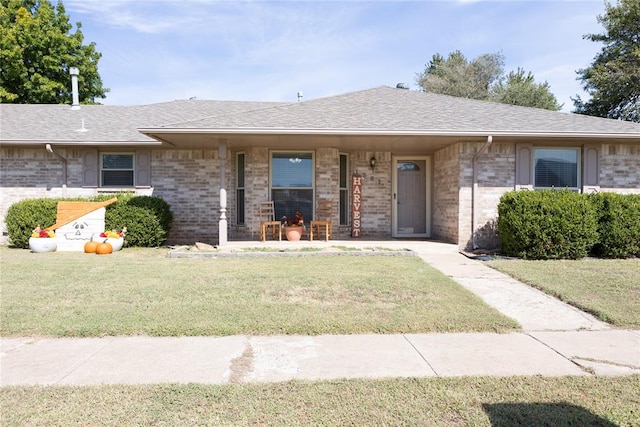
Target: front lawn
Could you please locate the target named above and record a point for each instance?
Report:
(142, 292)
(487, 401)
(609, 289)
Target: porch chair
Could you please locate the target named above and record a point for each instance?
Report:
(324, 213)
(267, 219)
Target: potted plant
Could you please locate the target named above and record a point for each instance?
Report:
(293, 227)
(114, 238)
(42, 240)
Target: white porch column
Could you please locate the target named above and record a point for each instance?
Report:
(222, 225)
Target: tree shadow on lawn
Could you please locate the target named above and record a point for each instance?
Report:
(542, 414)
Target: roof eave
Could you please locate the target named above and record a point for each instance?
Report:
(154, 142)
(152, 132)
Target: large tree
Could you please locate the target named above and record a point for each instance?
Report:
(456, 76)
(38, 49)
(520, 88)
(613, 79)
(483, 78)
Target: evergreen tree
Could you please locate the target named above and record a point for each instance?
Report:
(521, 89)
(613, 79)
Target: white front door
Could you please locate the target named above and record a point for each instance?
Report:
(411, 195)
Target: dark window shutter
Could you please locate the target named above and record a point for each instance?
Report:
(591, 168)
(90, 168)
(143, 168)
(524, 166)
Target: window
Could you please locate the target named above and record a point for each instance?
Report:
(556, 168)
(240, 189)
(116, 170)
(292, 184)
(344, 190)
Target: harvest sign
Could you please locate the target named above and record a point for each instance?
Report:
(356, 206)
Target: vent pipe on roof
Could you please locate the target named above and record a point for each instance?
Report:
(75, 103)
(300, 96)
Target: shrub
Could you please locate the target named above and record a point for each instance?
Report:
(547, 224)
(147, 219)
(23, 216)
(618, 225)
(158, 206)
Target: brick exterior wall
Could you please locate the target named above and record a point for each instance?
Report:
(495, 176)
(445, 198)
(620, 168)
(189, 181)
(32, 173)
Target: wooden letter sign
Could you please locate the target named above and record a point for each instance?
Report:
(356, 206)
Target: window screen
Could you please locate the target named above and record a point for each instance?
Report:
(116, 170)
(556, 168)
(292, 184)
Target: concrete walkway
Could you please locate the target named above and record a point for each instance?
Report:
(556, 340)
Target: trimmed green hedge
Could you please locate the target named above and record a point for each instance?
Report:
(547, 224)
(23, 216)
(618, 225)
(552, 224)
(147, 218)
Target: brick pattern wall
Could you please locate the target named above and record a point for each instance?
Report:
(445, 198)
(376, 193)
(620, 168)
(31, 173)
(189, 181)
(495, 175)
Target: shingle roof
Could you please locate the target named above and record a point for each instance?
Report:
(381, 109)
(105, 123)
(398, 110)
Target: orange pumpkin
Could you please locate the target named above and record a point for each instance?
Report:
(104, 248)
(90, 247)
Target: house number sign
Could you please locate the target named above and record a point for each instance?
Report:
(356, 206)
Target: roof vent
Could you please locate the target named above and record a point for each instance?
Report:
(402, 86)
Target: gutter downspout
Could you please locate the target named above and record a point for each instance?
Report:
(64, 169)
(474, 190)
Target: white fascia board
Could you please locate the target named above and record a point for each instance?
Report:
(373, 132)
(80, 143)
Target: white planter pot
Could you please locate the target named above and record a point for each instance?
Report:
(116, 244)
(39, 245)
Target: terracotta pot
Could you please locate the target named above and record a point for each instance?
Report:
(293, 234)
(39, 245)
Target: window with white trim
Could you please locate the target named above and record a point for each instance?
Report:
(292, 184)
(240, 189)
(117, 170)
(556, 168)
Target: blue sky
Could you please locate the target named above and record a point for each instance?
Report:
(161, 50)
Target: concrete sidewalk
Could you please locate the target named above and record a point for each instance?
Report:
(557, 340)
(239, 359)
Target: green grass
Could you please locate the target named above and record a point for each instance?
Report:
(609, 289)
(142, 292)
(527, 401)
